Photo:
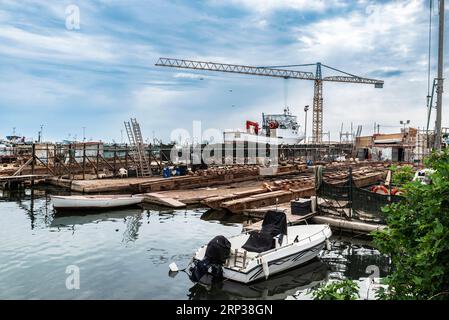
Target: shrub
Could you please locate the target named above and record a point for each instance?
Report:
(339, 290)
(417, 236)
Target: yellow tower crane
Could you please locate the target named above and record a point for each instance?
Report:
(280, 72)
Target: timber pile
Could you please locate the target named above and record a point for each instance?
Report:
(289, 184)
(210, 177)
(267, 199)
(265, 192)
(216, 201)
(362, 177)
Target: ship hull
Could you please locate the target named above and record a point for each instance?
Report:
(237, 136)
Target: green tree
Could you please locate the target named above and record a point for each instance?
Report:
(338, 290)
(417, 236)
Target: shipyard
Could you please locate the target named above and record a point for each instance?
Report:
(194, 176)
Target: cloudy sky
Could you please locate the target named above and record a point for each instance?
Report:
(103, 73)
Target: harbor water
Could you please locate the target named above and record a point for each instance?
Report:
(125, 254)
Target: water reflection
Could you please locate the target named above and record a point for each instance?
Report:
(132, 219)
(138, 245)
(35, 202)
(133, 224)
(351, 258)
(224, 217)
(278, 286)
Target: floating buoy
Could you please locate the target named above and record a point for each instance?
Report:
(173, 267)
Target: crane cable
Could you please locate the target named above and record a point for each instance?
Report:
(285, 93)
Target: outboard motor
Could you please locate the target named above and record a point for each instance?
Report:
(217, 251)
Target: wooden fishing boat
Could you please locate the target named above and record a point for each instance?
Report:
(95, 201)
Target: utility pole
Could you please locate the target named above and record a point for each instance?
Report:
(40, 135)
(440, 77)
(306, 108)
(404, 123)
(84, 134)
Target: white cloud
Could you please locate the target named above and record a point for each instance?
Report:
(389, 28)
(66, 45)
(266, 6)
(189, 76)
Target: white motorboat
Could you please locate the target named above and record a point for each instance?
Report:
(256, 255)
(94, 201)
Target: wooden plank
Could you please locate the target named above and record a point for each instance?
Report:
(23, 167)
(266, 199)
(59, 182)
(215, 202)
(219, 177)
(24, 177)
(159, 199)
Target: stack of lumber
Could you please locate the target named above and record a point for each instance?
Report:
(362, 177)
(210, 177)
(266, 199)
(216, 201)
(289, 184)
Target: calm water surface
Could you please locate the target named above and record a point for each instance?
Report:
(125, 254)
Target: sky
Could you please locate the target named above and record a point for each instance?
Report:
(93, 73)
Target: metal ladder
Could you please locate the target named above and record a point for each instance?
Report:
(137, 147)
(239, 258)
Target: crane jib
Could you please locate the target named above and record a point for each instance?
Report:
(280, 73)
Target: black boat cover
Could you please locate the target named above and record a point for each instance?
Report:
(218, 250)
(274, 224)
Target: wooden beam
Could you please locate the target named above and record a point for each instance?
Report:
(23, 167)
(45, 165)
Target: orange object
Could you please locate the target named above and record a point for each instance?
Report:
(274, 124)
(380, 190)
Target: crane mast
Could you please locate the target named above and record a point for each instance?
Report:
(317, 123)
(280, 72)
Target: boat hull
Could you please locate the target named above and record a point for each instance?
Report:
(242, 137)
(275, 266)
(93, 203)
